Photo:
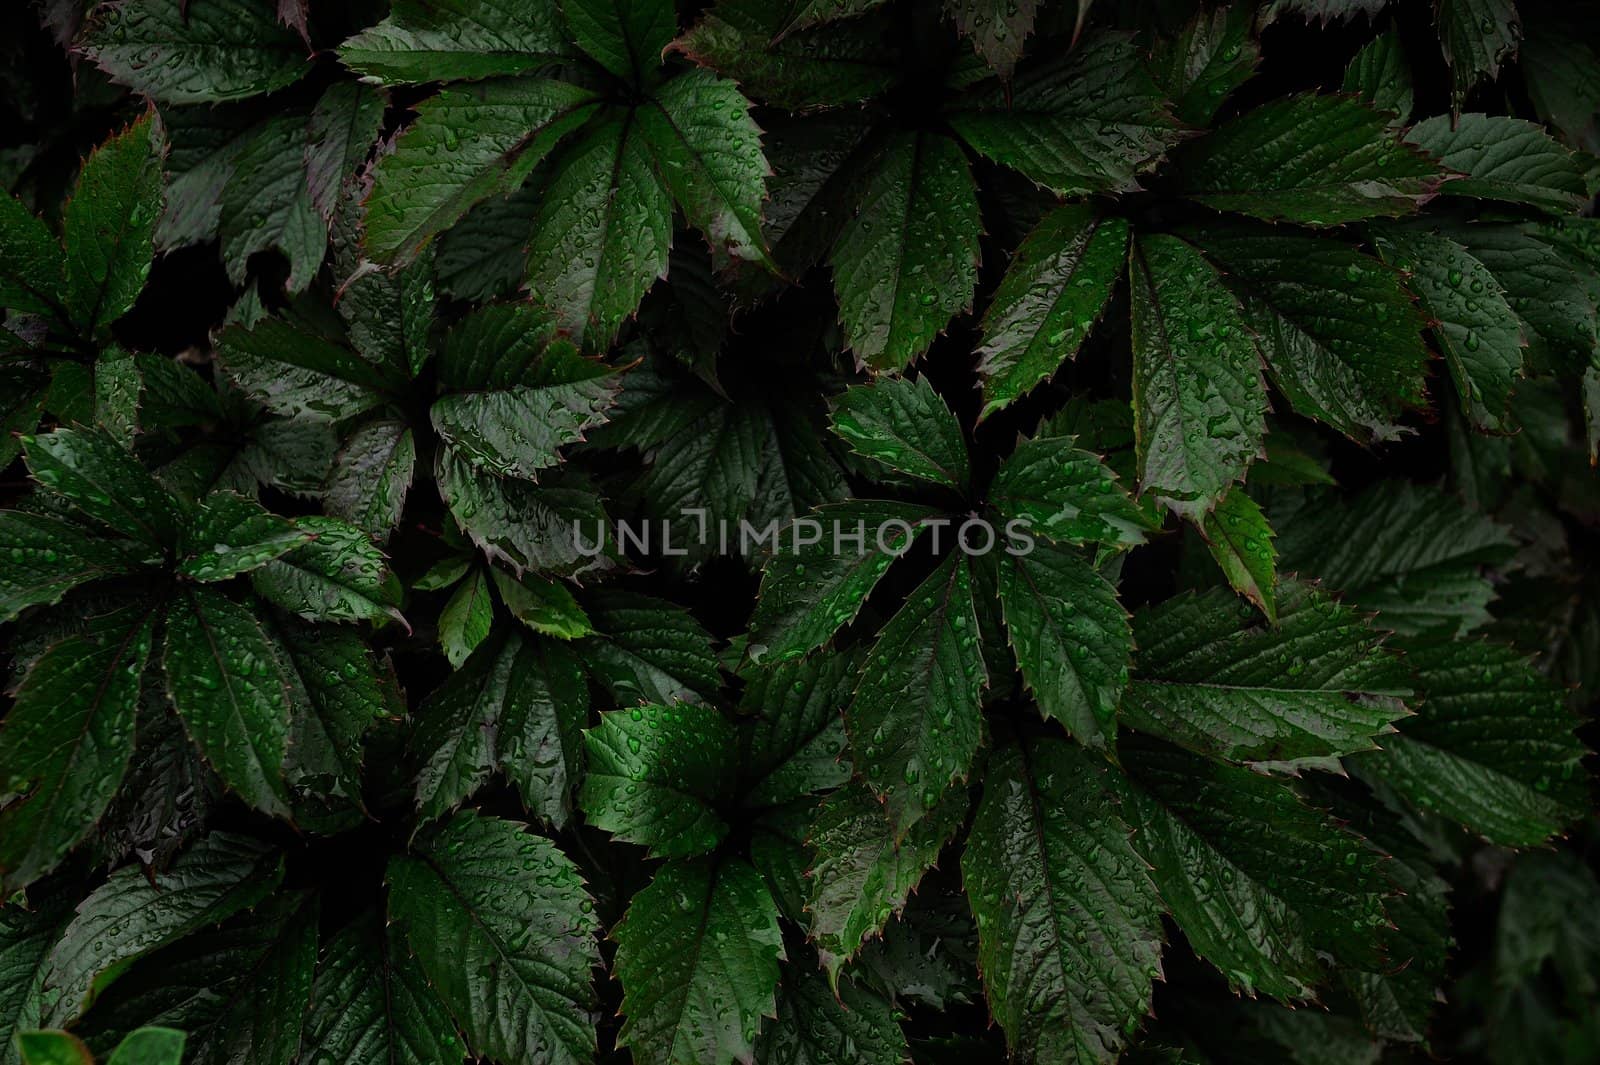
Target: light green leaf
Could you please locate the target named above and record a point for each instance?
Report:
(108, 224)
(217, 51)
(1198, 397)
(908, 260)
(1069, 924)
(915, 722)
(1070, 637)
(1053, 292)
(504, 931)
(1315, 160)
(656, 775)
(149, 1046)
(697, 957)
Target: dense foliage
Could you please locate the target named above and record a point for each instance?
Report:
(1261, 342)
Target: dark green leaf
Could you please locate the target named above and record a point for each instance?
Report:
(1069, 924)
(1198, 397)
(504, 932)
(1504, 159)
(1213, 55)
(997, 28)
(1065, 494)
(422, 41)
(32, 266)
(656, 774)
(267, 205)
(1315, 160)
(230, 534)
(814, 1023)
(542, 604)
(1240, 540)
(465, 619)
(906, 426)
(697, 957)
(371, 477)
(1055, 289)
(908, 260)
(626, 37)
(297, 374)
(1381, 77)
(793, 741)
(108, 224)
(95, 475)
(915, 722)
(45, 558)
(338, 576)
(649, 650)
(1070, 637)
(1477, 35)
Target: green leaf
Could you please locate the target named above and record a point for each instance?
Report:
(372, 1004)
(220, 50)
(1210, 57)
(807, 13)
(649, 650)
(26, 936)
(544, 605)
(1069, 924)
(697, 957)
(516, 428)
(90, 471)
(793, 740)
(137, 911)
(1258, 881)
(340, 575)
(32, 266)
(1070, 636)
(1414, 555)
(1240, 540)
(707, 149)
(813, 1023)
(338, 694)
(1476, 35)
(1504, 159)
(231, 534)
(1380, 76)
(108, 224)
(603, 231)
(915, 721)
(554, 526)
(812, 591)
(267, 205)
(467, 144)
(1055, 289)
(908, 260)
(116, 391)
(1210, 676)
(798, 71)
(997, 29)
(297, 374)
(343, 126)
(1492, 745)
(517, 705)
(1198, 397)
(1469, 316)
(1088, 121)
(627, 37)
(656, 775)
(52, 1048)
(906, 426)
(45, 558)
(67, 739)
(504, 931)
(149, 1046)
(862, 872)
(1342, 339)
(422, 41)
(464, 622)
(1315, 160)
(372, 476)
(1065, 494)
(223, 677)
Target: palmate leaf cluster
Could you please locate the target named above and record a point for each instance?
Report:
(1263, 340)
